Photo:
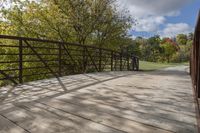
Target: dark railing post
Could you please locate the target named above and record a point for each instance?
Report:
(84, 59)
(115, 62)
(138, 63)
(121, 61)
(111, 60)
(100, 60)
(127, 59)
(133, 63)
(60, 59)
(20, 61)
(128, 66)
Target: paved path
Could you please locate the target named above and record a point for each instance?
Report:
(111, 102)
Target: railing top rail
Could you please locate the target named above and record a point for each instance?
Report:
(52, 41)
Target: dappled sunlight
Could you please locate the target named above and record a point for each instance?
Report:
(105, 102)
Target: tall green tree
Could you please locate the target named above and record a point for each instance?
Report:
(95, 22)
(168, 50)
(190, 36)
(154, 47)
(181, 39)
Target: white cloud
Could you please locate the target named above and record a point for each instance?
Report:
(172, 30)
(151, 14)
(133, 37)
(149, 24)
(153, 7)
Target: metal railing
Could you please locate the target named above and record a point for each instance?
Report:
(195, 59)
(27, 59)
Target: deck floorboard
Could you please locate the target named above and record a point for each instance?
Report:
(109, 102)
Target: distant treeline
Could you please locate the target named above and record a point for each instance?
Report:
(156, 49)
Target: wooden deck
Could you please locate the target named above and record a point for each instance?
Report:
(110, 102)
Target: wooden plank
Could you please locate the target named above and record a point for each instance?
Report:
(140, 113)
(37, 118)
(7, 126)
(123, 124)
(105, 102)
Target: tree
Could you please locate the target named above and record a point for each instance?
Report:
(134, 48)
(144, 50)
(154, 46)
(190, 36)
(181, 39)
(168, 50)
(91, 22)
(84, 21)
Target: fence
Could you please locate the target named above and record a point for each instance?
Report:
(27, 59)
(195, 59)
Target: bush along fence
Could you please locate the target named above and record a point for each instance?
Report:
(28, 59)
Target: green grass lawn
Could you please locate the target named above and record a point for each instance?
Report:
(150, 66)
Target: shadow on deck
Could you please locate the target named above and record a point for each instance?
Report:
(111, 102)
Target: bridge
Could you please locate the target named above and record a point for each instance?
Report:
(56, 87)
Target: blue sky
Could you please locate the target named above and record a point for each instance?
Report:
(164, 17)
(188, 14)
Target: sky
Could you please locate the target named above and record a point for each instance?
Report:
(166, 18)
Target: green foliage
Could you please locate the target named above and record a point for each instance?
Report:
(190, 36)
(181, 39)
(85, 22)
(168, 50)
(92, 22)
(156, 49)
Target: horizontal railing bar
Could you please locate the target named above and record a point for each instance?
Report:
(66, 60)
(12, 46)
(4, 62)
(25, 61)
(7, 70)
(73, 50)
(41, 47)
(27, 68)
(74, 55)
(29, 75)
(38, 61)
(26, 54)
(7, 54)
(10, 77)
(68, 64)
(38, 54)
